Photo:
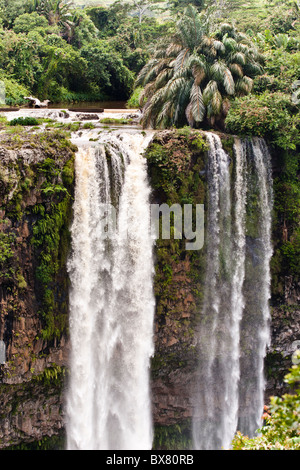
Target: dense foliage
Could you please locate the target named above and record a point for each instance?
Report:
(281, 430)
(192, 76)
(53, 50)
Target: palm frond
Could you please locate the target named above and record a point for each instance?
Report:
(197, 105)
(218, 46)
(184, 73)
(146, 93)
(228, 81)
(210, 89)
(236, 69)
(181, 59)
(181, 100)
(207, 47)
(242, 38)
(162, 64)
(198, 67)
(221, 73)
(207, 41)
(228, 29)
(153, 107)
(141, 78)
(190, 27)
(214, 107)
(173, 88)
(163, 117)
(229, 43)
(253, 68)
(173, 49)
(189, 115)
(239, 58)
(244, 85)
(163, 77)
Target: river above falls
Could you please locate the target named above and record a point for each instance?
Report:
(90, 105)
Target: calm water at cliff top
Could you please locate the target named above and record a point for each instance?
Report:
(90, 105)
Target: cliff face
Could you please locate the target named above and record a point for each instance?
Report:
(36, 186)
(36, 183)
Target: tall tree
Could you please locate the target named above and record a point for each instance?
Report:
(57, 12)
(192, 77)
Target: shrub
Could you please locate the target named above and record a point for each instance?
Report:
(29, 21)
(282, 429)
(134, 100)
(14, 91)
(270, 115)
(28, 121)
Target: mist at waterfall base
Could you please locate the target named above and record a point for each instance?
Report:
(112, 305)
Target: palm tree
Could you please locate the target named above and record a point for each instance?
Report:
(57, 12)
(33, 5)
(193, 76)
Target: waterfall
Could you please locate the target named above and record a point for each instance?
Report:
(108, 403)
(234, 330)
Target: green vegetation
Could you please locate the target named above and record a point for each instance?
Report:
(192, 76)
(51, 236)
(269, 115)
(176, 161)
(6, 256)
(259, 15)
(50, 179)
(53, 375)
(281, 430)
(272, 112)
(174, 437)
(114, 121)
(134, 100)
(55, 442)
(56, 51)
(24, 122)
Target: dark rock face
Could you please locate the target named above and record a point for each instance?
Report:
(36, 180)
(285, 339)
(29, 412)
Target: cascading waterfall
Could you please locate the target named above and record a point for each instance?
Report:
(234, 330)
(112, 304)
(256, 319)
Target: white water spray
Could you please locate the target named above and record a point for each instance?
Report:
(111, 300)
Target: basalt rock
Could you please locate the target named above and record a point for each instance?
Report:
(35, 187)
(87, 117)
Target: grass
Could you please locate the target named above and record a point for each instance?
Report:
(252, 14)
(115, 121)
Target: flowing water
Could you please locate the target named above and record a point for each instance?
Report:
(256, 319)
(234, 330)
(111, 299)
